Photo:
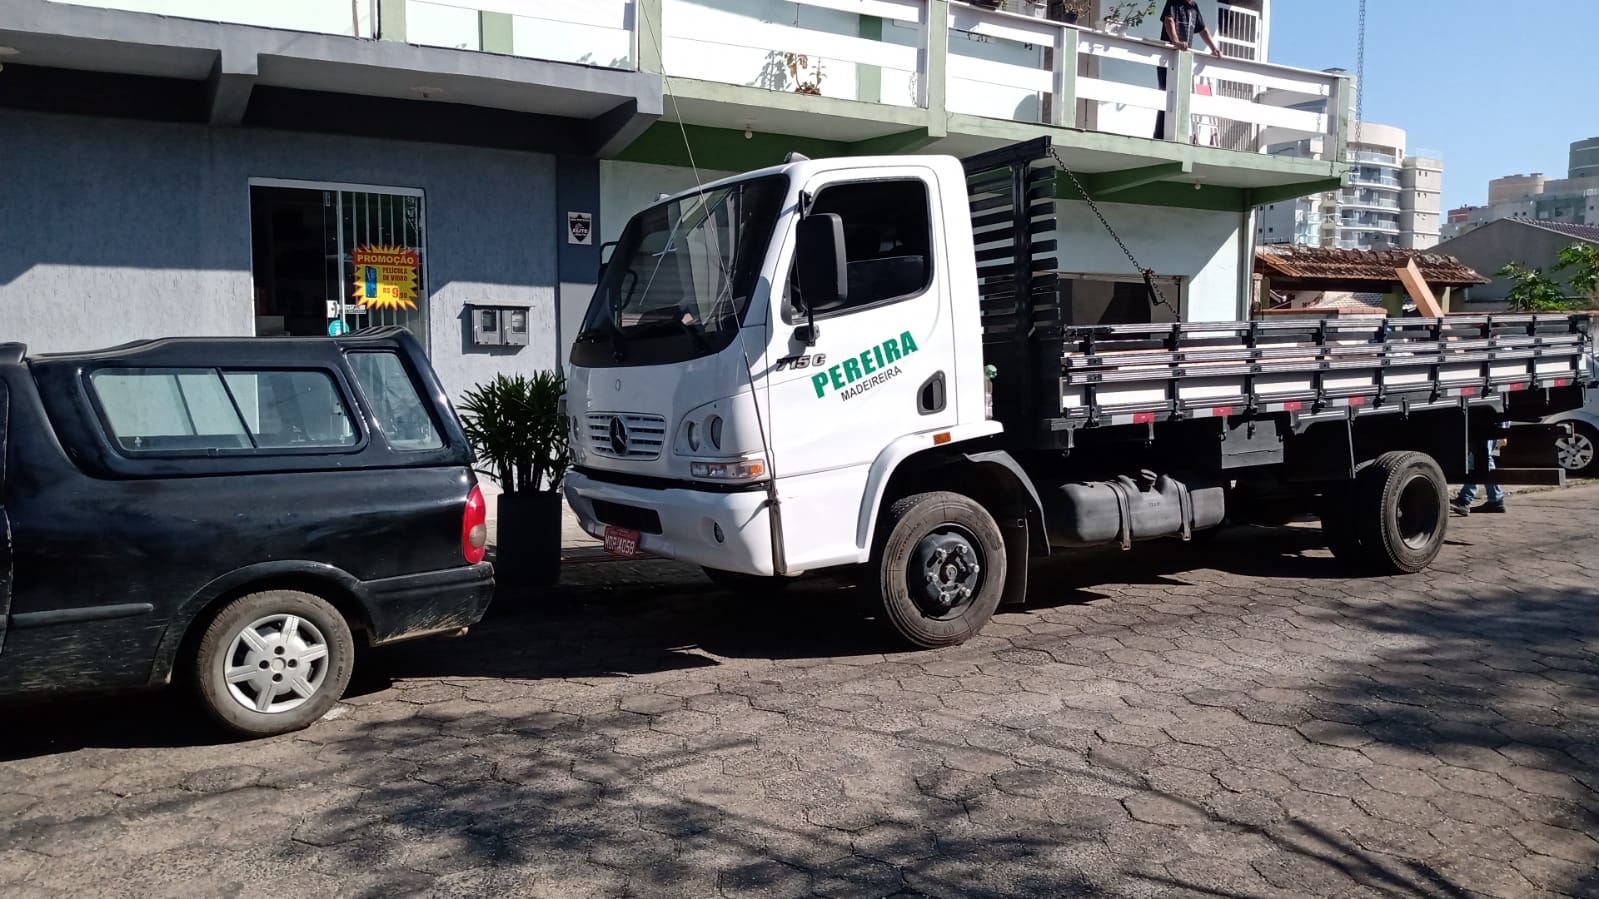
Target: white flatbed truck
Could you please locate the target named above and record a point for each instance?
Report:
(865, 362)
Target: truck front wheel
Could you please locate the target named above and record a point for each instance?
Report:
(1402, 500)
(941, 570)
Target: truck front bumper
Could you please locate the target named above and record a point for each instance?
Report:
(718, 529)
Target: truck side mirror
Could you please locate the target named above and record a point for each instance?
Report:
(821, 265)
(606, 249)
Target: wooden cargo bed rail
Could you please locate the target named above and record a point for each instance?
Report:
(1134, 374)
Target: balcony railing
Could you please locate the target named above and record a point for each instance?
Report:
(1369, 180)
(593, 32)
(1368, 202)
(999, 65)
(1373, 226)
(1370, 156)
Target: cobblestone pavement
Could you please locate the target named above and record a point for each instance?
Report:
(1234, 719)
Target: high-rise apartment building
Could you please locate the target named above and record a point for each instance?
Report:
(1392, 201)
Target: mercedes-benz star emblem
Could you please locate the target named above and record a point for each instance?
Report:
(618, 437)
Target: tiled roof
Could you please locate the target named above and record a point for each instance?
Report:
(1321, 263)
(1589, 233)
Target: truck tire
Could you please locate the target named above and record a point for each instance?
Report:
(940, 570)
(1402, 507)
(738, 582)
(273, 662)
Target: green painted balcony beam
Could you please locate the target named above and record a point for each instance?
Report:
(936, 74)
(912, 141)
(1262, 195)
(1101, 184)
(495, 30)
(648, 35)
(723, 149)
(391, 20)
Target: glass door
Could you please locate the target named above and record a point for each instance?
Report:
(329, 259)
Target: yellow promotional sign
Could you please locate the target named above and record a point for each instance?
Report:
(385, 276)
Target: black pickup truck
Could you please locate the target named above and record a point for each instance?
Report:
(232, 513)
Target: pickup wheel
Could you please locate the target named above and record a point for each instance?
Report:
(1579, 453)
(1402, 507)
(941, 569)
(273, 662)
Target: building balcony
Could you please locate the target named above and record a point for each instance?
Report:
(1372, 157)
(1368, 179)
(950, 77)
(1368, 202)
(826, 77)
(1375, 227)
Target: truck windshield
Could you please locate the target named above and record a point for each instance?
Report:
(680, 280)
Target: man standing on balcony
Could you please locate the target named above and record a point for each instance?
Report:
(1179, 22)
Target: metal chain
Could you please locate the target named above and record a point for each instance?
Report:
(1148, 273)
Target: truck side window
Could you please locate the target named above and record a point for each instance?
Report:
(887, 237)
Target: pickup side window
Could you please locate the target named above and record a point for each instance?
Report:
(887, 238)
(402, 415)
(204, 410)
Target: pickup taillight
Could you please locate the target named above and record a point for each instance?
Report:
(474, 527)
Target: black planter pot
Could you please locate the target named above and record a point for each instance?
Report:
(528, 549)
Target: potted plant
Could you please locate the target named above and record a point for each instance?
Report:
(1068, 10)
(1121, 16)
(515, 424)
(800, 62)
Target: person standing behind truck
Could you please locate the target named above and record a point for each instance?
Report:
(1461, 504)
(1179, 22)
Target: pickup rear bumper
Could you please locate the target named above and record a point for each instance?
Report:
(415, 605)
(729, 531)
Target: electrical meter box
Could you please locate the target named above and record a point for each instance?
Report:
(499, 325)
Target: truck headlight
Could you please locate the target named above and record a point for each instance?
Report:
(713, 428)
(692, 433)
(746, 470)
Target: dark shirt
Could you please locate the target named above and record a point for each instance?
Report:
(1189, 20)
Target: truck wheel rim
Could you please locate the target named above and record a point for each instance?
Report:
(276, 664)
(946, 572)
(1419, 512)
(1575, 452)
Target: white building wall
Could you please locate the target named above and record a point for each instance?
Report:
(1203, 248)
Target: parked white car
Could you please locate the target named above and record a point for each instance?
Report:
(1579, 453)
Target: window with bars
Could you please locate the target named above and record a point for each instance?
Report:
(368, 221)
(331, 258)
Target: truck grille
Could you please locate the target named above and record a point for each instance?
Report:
(624, 435)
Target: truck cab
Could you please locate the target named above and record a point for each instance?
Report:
(706, 385)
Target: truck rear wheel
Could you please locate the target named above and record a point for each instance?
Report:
(941, 570)
(1402, 504)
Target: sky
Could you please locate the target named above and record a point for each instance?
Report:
(1497, 88)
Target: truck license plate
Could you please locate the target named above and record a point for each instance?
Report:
(621, 542)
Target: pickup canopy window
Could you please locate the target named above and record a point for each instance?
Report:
(401, 414)
(206, 410)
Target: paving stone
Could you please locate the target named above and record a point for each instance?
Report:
(1246, 721)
